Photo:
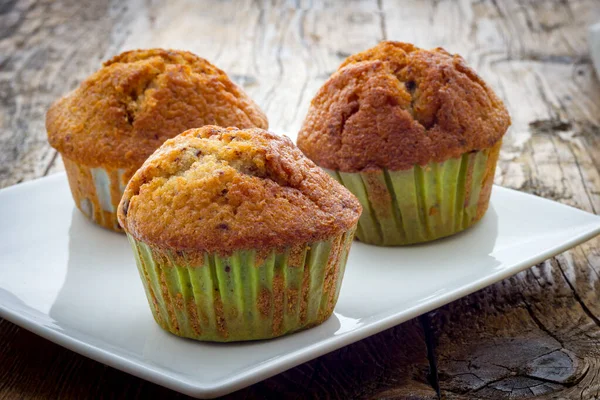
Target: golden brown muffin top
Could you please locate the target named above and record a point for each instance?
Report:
(395, 105)
(223, 189)
(122, 113)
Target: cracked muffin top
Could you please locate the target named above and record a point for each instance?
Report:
(224, 189)
(395, 105)
(122, 113)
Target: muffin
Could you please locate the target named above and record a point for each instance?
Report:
(107, 127)
(237, 235)
(414, 134)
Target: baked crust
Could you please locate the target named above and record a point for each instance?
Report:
(119, 115)
(395, 105)
(223, 189)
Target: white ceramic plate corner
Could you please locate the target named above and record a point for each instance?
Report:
(76, 284)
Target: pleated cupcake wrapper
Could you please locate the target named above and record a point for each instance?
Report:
(97, 192)
(246, 295)
(422, 203)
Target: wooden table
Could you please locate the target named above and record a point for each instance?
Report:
(535, 334)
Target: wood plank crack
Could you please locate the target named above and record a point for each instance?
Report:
(433, 376)
(577, 297)
(539, 323)
(382, 22)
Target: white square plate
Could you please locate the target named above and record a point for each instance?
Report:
(76, 284)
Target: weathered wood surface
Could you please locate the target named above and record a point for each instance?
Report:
(536, 334)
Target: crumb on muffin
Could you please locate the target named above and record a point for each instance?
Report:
(224, 189)
(395, 106)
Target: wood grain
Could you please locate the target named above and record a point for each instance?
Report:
(535, 335)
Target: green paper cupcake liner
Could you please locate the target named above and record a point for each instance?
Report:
(423, 203)
(248, 295)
